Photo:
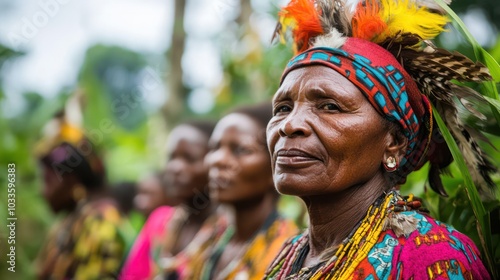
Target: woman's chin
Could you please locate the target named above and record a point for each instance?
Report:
(220, 195)
(292, 184)
(292, 189)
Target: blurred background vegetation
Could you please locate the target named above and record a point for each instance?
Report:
(133, 97)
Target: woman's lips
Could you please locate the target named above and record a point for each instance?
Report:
(219, 184)
(218, 180)
(177, 181)
(294, 157)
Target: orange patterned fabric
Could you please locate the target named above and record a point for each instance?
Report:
(258, 256)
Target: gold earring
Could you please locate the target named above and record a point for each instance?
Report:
(79, 193)
(391, 164)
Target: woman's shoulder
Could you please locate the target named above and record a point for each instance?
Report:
(161, 212)
(424, 233)
(430, 248)
(158, 218)
(101, 209)
(420, 228)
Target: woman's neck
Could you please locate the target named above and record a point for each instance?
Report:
(198, 216)
(333, 217)
(198, 207)
(189, 227)
(250, 216)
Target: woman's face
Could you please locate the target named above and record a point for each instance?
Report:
(150, 195)
(325, 136)
(185, 173)
(239, 164)
(57, 190)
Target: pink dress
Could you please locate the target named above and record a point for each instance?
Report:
(140, 263)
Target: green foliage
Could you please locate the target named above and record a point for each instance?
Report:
(115, 113)
(482, 230)
(251, 75)
(126, 136)
(489, 7)
(18, 137)
(481, 216)
(130, 136)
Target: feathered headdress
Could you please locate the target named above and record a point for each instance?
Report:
(65, 147)
(404, 29)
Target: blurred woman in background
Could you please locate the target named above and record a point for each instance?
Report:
(241, 179)
(151, 194)
(86, 243)
(172, 236)
(152, 203)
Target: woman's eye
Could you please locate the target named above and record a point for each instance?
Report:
(212, 147)
(282, 109)
(190, 158)
(329, 106)
(242, 151)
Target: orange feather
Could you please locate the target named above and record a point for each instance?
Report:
(367, 22)
(304, 18)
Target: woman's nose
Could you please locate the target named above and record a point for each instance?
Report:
(295, 124)
(217, 158)
(175, 166)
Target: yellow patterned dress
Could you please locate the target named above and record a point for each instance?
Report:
(261, 251)
(86, 245)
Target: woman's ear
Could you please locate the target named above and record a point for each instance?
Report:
(396, 146)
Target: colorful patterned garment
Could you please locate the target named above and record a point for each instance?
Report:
(258, 255)
(432, 250)
(85, 245)
(140, 262)
(178, 266)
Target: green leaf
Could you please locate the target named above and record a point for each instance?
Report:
(493, 96)
(491, 63)
(482, 217)
(494, 102)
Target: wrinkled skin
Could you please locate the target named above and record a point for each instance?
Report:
(325, 136)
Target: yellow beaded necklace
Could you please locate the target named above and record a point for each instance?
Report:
(355, 248)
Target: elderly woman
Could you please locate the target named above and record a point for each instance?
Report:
(241, 179)
(349, 125)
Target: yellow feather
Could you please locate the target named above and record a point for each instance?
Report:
(405, 16)
(287, 23)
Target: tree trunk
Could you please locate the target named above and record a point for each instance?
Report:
(245, 13)
(175, 105)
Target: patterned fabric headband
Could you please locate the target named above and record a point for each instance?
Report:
(383, 82)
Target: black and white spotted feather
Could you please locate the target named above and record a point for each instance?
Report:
(435, 70)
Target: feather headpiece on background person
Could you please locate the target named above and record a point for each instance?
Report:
(66, 149)
(322, 29)
(65, 126)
